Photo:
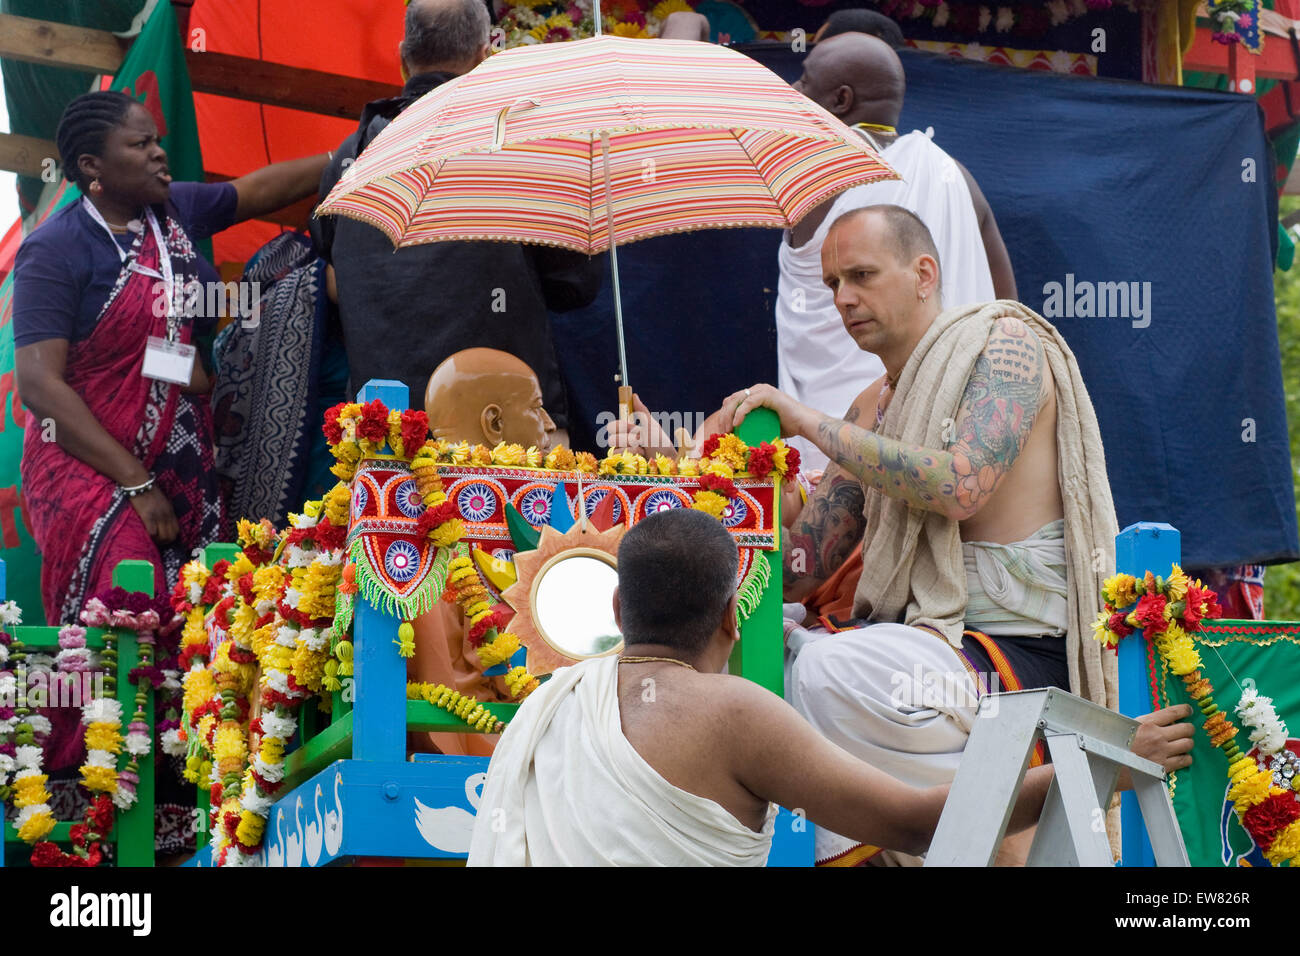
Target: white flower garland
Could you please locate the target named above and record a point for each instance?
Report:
(1267, 730)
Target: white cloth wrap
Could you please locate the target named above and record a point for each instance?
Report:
(566, 788)
(897, 697)
(818, 363)
(1018, 589)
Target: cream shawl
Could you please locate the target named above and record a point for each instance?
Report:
(913, 568)
(565, 788)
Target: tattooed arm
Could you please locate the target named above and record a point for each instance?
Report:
(1002, 398)
(826, 531)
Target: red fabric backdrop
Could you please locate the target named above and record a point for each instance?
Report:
(351, 37)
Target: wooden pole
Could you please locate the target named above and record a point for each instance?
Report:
(1139, 548)
(243, 78)
(379, 701)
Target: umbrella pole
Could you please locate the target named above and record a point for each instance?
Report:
(624, 389)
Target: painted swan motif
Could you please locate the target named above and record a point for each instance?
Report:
(450, 828)
(334, 820)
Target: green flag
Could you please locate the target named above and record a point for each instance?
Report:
(1235, 655)
(154, 73)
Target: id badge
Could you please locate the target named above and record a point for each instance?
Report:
(168, 361)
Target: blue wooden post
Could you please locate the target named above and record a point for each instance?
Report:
(379, 704)
(1139, 548)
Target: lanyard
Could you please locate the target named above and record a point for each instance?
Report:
(164, 258)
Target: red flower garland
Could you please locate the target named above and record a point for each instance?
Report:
(332, 429)
(762, 460)
(373, 426)
(1150, 613)
(723, 486)
(415, 429)
(1268, 818)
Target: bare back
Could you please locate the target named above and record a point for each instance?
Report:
(680, 722)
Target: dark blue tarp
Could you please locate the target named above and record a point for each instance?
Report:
(1092, 181)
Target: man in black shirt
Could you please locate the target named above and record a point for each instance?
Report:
(403, 311)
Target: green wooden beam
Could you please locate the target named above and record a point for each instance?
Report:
(332, 743)
(760, 653)
(422, 715)
(45, 638)
(60, 834)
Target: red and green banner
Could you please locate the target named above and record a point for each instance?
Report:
(1235, 656)
(153, 72)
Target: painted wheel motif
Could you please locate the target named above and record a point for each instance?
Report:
(535, 506)
(360, 498)
(477, 502)
(504, 554)
(401, 561)
(595, 497)
(735, 513)
(409, 501)
(662, 501)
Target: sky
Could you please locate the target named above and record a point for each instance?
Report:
(8, 189)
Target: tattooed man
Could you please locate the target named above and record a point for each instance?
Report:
(891, 689)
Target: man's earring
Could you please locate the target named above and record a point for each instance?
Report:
(95, 187)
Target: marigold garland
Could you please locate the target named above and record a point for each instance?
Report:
(487, 622)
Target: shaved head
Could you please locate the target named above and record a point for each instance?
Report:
(856, 77)
(909, 237)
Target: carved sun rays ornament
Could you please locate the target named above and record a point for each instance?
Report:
(563, 597)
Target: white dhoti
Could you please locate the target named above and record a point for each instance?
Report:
(566, 788)
(897, 697)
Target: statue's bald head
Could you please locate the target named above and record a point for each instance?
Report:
(487, 396)
(856, 77)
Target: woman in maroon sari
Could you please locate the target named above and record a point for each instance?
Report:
(117, 457)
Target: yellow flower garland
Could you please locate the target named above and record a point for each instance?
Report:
(463, 706)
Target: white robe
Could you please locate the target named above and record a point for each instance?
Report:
(817, 361)
(566, 788)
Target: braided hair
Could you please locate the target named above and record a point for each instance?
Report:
(83, 127)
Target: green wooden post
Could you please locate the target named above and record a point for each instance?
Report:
(135, 827)
(760, 655)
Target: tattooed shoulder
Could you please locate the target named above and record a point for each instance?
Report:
(1001, 400)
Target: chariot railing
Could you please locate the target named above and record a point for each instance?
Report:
(353, 753)
(132, 836)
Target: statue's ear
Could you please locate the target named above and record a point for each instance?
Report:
(493, 423)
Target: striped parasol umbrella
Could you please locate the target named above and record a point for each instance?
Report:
(595, 142)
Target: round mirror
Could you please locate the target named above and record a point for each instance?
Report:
(573, 604)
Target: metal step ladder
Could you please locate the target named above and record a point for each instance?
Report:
(1088, 745)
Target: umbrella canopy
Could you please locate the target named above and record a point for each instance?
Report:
(687, 135)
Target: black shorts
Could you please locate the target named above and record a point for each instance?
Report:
(1034, 661)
